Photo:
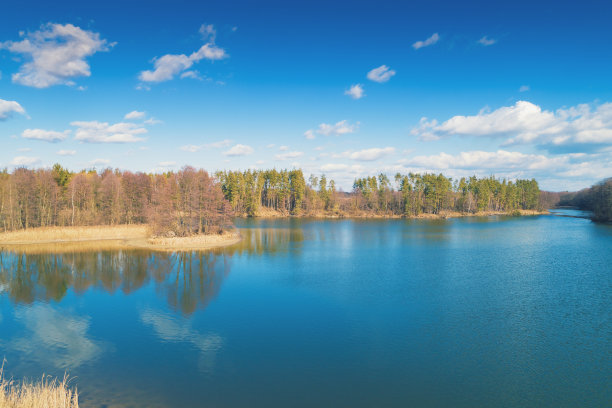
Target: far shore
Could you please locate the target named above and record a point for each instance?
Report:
(271, 213)
(110, 237)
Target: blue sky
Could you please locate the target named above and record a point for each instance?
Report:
(514, 89)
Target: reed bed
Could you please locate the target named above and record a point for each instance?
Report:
(45, 393)
(72, 234)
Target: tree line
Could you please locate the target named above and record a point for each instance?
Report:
(288, 192)
(597, 199)
(180, 203)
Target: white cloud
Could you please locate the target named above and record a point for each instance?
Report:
(170, 65)
(334, 167)
(102, 132)
(283, 148)
(381, 74)
(215, 145)
(66, 152)
(344, 168)
(340, 128)
(577, 127)
(191, 148)
(7, 108)
(191, 74)
(239, 150)
(371, 154)
(524, 88)
(45, 135)
(208, 32)
(25, 161)
(24, 149)
(486, 41)
(355, 91)
(309, 134)
(55, 54)
(99, 162)
(220, 144)
(152, 121)
(500, 160)
(430, 41)
(134, 115)
(288, 155)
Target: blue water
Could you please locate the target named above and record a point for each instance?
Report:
(473, 312)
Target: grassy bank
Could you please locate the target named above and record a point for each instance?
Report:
(46, 393)
(51, 239)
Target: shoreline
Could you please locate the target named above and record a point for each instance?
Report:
(43, 239)
(268, 214)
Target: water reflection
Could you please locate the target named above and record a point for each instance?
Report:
(56, 338)
(186, 280)
(172, 330)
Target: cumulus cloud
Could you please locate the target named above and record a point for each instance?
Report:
(381, 74)
(133, 115)
(326, 129)
(340, 128)
(103, 132)
(500, 160)
(288, 155)
(579, 127)
(55, 54)
(430, 41)
(20, 161)
(66, 152)
(168, 66)
(45, 135)
(7, 108)
(486, 41)
(239, 150)
(355, 91)
(372, 154)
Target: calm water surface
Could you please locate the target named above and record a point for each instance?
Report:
(475, 312)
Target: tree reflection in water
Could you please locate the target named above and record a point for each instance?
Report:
(187, 280)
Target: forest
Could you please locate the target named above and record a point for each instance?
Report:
(597, 199)
(190, 201)
(180, 203)
(287, 192)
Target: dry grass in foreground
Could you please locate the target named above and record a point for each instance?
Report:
(45, 393)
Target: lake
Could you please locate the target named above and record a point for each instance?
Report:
(470, 312)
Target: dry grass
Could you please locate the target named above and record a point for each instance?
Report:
(194, 242)
(74, 234)
(96, 238)
(46, 393)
